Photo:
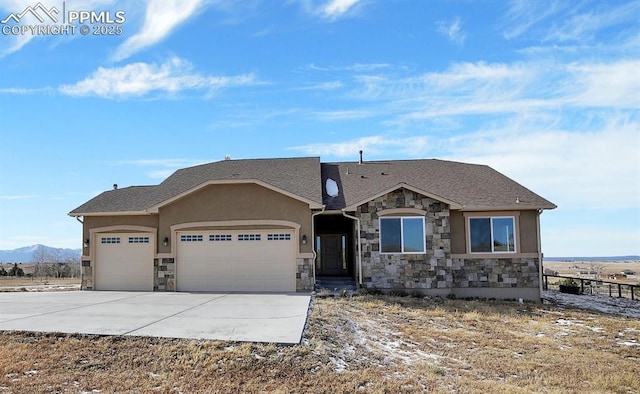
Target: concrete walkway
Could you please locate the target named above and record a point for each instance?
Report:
(276, 318)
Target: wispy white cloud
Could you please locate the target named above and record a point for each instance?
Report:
(560, 21)
(373, 145)
(24, 91)
(336, 8)
(357, 67)
(595, 168)
(138, 79)
(161, 18)
(343, 115)
(483, 88)
(328, 9)
(523, 15)
(609, 85)
(163, 167)
(173, 163)
(18, 197)
(452, 30)
(329, 85)
(584, 25)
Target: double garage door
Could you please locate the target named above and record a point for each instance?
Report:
(248, 260)
(236, 260)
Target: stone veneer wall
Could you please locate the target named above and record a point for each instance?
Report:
(497, 273)
(164, 274)
(86, 273)
(406, 271)
(304, 274)
(435, 271)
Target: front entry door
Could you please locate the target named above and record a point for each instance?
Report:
(331, 255)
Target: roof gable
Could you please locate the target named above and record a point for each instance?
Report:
(295, 177)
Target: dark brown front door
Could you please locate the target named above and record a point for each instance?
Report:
(332, 255)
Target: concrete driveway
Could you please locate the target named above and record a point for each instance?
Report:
(277, 318)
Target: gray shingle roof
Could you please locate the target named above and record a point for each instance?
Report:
(298, 176)
(469, 185)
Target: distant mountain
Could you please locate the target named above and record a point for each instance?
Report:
(27, 254)
(606, 258)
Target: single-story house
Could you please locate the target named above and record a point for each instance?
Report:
(417, 226)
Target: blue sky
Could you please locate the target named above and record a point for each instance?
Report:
(546, 92)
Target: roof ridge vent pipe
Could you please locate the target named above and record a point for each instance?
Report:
(115, 186)
(360, 162)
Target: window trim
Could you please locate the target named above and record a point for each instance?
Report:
(516, 233)
(424, 232)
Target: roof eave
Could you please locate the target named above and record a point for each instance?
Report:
(117, 213)
(518, 207)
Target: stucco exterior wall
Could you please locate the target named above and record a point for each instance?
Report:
(92, 222)
(458, 229)
(439, 271)
(528, 232)
(235, 202)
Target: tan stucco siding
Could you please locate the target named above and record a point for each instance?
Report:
(528, 232)
(219, 203)
(458, 238)
(93, 222)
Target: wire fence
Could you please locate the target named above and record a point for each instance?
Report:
(591, 286)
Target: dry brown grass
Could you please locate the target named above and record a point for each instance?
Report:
(368, 344)
(606, 268)
(11, 281)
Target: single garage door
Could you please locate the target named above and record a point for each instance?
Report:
(247, 260)
(124, 261)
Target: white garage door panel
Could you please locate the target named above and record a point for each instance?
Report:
(235, 265)
(124, 261)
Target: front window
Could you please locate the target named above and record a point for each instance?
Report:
(492, 235)
(402, 235)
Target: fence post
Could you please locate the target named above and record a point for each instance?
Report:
(546, 282)
(619, 290)
(632, 288)
(581, 286)
(610, 290)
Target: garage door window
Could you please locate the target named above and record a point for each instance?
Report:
(110, 240)
(248, 237)
(220, 237)
(138, 240)
(191, 238)
(278, 237)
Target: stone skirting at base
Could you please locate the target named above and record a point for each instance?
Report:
(526, 293)
(86, 273)
(164, 274)
(304, 274)
(487, 278)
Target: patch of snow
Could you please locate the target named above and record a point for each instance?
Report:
(32, 372)
(340, 364)
(331, 187)
(600, 303)
(633, 342)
